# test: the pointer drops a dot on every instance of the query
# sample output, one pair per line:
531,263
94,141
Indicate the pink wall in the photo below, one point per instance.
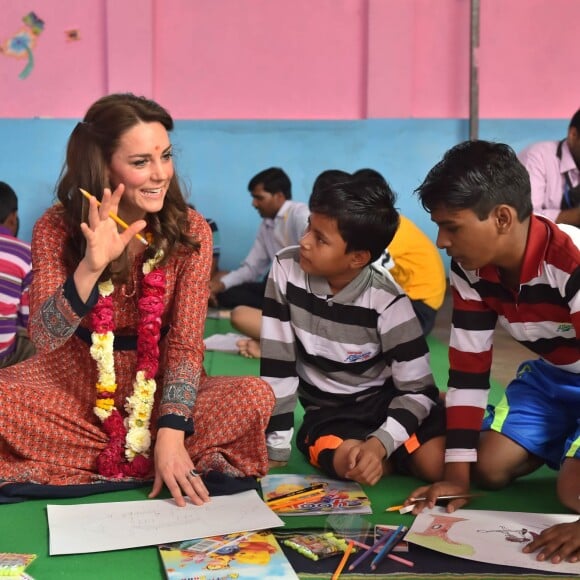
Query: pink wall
262,59
305,59
529,67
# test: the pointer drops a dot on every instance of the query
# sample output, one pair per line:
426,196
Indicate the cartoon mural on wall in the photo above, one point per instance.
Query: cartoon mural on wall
20,44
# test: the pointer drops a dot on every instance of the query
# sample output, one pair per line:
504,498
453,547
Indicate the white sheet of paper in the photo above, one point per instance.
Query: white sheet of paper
223,342
100,527
488,536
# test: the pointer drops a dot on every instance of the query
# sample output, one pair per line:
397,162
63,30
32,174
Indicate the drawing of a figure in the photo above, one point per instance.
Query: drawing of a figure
435,536
523,535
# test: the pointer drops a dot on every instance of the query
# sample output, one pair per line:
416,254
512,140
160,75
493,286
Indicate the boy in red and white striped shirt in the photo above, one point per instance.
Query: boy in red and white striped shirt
15,278
522,271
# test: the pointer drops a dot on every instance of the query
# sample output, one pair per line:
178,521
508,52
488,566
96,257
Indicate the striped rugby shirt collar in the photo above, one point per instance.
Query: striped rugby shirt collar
318,285
539,236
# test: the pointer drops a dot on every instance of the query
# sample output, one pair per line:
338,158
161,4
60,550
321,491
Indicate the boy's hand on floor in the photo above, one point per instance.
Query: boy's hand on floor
558,543
272,463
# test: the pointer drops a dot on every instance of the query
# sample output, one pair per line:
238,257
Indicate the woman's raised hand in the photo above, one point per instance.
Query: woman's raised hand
105,243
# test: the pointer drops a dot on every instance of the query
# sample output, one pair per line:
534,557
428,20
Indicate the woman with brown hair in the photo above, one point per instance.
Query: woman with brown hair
117,310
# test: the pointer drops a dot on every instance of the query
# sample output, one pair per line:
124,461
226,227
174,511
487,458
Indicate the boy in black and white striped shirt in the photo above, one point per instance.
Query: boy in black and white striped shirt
341,337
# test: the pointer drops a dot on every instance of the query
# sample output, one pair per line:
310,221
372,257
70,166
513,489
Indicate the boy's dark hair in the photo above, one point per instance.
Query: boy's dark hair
8,201
273,180
575,121
330,177
478,175
368,173
363,209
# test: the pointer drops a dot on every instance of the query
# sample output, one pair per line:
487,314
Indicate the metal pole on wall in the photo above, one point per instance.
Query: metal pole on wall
474,73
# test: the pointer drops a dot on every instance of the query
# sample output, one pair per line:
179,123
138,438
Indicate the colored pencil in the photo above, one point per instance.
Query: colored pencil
313,487
404,561
343,560
297,500
394,508
391,556
115,217
388,546
366,554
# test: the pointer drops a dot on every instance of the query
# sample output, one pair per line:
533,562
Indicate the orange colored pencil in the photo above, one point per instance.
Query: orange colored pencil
315,487
343,561
391,556
295,501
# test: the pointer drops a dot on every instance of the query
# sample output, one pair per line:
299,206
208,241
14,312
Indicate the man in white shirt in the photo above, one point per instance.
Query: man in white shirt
283,224
554,168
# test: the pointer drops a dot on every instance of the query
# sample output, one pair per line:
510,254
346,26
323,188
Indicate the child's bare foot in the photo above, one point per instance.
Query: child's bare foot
249,347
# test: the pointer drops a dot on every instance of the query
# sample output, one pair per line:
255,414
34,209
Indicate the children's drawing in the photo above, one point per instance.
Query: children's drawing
21,43
521,535
436,537
488,536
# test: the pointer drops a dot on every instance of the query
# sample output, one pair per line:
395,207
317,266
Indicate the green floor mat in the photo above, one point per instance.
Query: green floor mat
23,527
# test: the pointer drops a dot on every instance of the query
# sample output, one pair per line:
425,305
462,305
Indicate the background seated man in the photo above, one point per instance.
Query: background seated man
411,259
283,222
554,168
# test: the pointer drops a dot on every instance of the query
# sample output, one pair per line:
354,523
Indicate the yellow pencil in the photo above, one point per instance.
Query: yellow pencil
394,508
296,501
342,563
115,218
314,489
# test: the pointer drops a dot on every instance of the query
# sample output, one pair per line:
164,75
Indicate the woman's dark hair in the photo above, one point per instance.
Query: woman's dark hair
89,152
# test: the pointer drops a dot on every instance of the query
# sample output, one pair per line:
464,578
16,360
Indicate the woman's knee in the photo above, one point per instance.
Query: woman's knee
264,391
257,393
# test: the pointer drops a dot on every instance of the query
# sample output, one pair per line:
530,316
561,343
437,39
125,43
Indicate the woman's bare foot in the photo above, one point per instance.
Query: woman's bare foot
249,347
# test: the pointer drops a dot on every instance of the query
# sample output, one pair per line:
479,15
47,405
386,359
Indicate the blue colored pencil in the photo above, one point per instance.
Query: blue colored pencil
366,554
385,549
